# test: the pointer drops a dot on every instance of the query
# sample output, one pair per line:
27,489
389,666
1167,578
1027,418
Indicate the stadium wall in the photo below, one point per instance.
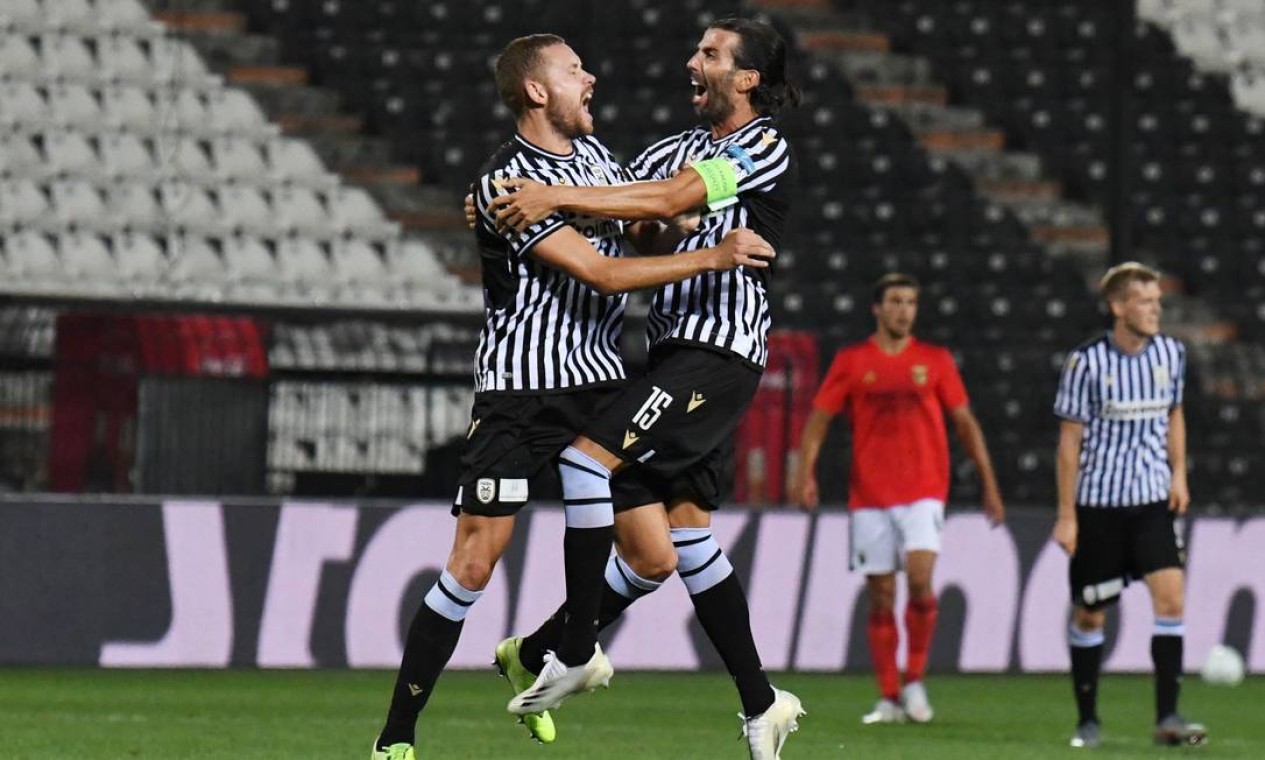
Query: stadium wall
303,584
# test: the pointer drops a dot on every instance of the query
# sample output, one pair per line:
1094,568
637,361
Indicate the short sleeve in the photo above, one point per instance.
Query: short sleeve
489,187
1179,374
759,160
949,388
833,393
1074,399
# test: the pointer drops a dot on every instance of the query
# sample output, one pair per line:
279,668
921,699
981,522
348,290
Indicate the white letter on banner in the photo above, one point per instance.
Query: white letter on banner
308,536
984,564
413,540
655,632
201,630
830,599
541,589
1226,557
1046,608
773,594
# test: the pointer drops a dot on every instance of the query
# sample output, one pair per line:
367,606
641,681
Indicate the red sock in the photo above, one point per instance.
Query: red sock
884,639
920,623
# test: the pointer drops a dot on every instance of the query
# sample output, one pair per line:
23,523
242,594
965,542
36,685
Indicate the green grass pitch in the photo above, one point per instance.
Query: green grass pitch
647,716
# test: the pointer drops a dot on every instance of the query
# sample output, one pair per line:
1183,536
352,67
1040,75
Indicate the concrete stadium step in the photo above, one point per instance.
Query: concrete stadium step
205,22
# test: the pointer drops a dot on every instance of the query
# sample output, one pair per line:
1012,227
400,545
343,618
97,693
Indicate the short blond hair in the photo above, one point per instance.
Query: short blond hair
1116,281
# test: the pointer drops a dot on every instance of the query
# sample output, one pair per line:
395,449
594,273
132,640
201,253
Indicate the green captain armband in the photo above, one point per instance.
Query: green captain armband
719,178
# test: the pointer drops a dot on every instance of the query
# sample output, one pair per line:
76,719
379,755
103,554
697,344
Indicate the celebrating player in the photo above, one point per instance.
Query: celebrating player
547,361
673,429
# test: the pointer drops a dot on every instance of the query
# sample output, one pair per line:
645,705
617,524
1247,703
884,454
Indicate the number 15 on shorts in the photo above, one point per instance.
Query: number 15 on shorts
653,409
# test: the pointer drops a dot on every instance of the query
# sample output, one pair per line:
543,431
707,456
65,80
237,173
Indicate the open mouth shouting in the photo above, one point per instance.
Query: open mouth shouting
700,91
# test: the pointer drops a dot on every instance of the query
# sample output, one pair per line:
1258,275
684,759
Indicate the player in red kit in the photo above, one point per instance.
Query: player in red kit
895,391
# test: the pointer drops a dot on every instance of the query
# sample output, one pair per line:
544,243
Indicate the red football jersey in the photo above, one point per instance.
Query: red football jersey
896,406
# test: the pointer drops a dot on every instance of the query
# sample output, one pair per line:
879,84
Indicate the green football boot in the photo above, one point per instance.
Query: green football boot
394,752
540,725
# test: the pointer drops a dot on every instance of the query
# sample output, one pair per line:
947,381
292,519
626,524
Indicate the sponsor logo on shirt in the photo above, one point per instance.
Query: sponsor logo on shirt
1132,411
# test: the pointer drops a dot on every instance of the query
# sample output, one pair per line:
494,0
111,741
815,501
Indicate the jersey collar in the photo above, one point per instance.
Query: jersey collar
529,145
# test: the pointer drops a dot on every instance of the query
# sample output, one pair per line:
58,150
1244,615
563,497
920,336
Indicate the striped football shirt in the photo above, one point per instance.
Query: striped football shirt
1124,401
543,330
724,310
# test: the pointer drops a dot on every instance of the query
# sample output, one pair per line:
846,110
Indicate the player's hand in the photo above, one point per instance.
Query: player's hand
807,495
1065,534
994,509
526,203
471,218
742,248
1178,495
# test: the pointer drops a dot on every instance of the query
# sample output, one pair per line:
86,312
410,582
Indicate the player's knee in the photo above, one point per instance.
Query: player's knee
1172,606
920,588
1089,620
655,566
472,572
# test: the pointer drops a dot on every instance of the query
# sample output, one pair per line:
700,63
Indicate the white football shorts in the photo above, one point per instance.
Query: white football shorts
881,537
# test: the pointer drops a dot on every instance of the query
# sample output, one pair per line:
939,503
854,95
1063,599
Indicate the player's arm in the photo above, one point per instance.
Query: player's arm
971,436
705,182
1179,492
807,493
569,251
1067,468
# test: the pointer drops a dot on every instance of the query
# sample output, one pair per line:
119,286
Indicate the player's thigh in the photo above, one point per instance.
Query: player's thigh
687,405
511,439
874,547
644,540
1156,540
919,525
1099,570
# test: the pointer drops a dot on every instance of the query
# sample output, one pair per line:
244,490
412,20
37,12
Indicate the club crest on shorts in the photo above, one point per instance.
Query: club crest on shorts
919,372
485,490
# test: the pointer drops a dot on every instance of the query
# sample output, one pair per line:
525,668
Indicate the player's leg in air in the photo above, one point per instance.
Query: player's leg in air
644,560
919,533
769,715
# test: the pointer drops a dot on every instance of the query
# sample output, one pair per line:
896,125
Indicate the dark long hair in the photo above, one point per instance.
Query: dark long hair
763,50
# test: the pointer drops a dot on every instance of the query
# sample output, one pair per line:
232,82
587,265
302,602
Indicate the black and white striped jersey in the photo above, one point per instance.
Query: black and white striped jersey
543,330
725,310
1124,401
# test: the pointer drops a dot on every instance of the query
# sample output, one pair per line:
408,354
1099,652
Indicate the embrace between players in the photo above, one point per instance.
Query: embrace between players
643,462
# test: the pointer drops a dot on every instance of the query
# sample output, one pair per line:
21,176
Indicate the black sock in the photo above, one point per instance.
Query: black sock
1166,654
432,638
1085,664
586,551
547,636
723,612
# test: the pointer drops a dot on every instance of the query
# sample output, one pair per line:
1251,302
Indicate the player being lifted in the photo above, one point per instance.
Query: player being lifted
547,361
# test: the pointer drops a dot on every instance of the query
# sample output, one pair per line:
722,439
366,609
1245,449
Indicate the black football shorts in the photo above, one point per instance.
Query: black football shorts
675,426
1116,545
513,438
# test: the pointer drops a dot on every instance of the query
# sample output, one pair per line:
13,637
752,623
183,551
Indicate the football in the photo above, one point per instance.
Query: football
1224,666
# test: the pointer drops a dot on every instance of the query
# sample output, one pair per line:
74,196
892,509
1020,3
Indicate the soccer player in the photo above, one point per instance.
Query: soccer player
896,390
674,427
1121,489
547,361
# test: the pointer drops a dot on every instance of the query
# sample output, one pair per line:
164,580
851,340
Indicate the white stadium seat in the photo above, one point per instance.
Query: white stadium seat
294,160
234,111
127,155
88,262
301,209
67,56
304,262
70,153
22,104
237,158
129,107
77,202
139,256
193,259
19,157
187,205
18,57
74,105
20,14
22,203
123,15
31,256
243,207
